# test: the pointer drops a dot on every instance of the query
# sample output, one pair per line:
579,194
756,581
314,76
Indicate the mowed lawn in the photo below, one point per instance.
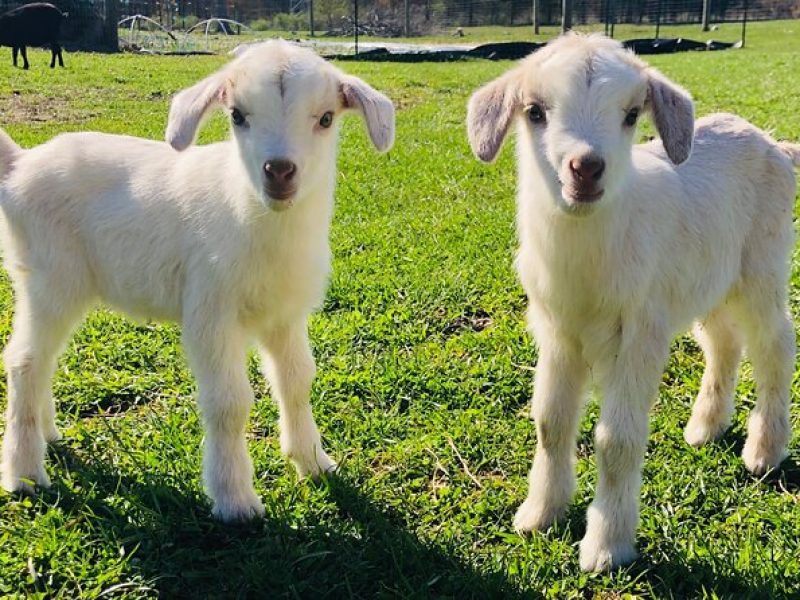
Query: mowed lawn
422,391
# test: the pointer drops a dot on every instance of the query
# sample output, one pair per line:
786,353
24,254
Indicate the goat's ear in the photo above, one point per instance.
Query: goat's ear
377,110
489,115
188,108
673,114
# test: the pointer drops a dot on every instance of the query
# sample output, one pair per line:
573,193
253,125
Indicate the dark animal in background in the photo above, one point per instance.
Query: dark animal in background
35,24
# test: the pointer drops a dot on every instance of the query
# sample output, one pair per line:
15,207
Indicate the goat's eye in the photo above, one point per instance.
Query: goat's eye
237,117
326,120
631,116
536,113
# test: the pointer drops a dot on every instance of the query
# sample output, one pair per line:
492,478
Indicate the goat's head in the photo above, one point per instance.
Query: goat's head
285,104
577,102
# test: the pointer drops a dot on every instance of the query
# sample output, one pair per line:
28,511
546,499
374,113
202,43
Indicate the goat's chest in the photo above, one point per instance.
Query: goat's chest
577,281
284,280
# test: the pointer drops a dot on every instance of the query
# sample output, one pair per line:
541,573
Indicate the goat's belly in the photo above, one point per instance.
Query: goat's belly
144,300
144,285
31,39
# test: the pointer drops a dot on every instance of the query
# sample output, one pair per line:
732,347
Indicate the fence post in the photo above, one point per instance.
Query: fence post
311,17
535,15
566,15
658,19
111,33
744,23
706,14
407,19
612,18
355,23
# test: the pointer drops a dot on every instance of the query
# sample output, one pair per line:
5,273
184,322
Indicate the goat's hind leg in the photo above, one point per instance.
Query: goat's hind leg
289,367
55,52
722,345
771,348
42,323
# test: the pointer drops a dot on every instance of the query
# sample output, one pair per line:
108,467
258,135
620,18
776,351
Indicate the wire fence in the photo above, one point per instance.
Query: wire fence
395,18
149,24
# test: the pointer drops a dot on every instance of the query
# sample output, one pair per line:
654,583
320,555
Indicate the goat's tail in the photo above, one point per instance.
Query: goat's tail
792,151
9,152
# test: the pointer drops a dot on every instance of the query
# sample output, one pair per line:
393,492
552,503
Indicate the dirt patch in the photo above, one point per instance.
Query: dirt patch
472,320
19,107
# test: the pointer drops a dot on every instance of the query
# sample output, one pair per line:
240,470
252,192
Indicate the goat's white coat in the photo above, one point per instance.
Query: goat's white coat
186,236
610,284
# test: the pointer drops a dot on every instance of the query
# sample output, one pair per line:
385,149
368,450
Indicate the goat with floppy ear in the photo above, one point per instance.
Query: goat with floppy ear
622,247
492,108
229,239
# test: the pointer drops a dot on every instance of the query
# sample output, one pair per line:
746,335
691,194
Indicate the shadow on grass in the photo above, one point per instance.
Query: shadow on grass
696,580
785,478
361,551
178,550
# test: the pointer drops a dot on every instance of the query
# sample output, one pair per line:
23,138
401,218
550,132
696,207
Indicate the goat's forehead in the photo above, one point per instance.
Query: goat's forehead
290,79
582,72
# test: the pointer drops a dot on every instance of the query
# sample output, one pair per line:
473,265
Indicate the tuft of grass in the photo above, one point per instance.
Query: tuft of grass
422,391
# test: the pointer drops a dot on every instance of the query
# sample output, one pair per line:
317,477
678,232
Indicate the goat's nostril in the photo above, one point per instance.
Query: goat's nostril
599,168
587,168
280,170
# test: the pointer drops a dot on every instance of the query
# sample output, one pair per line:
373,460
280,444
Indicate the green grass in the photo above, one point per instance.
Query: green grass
424,379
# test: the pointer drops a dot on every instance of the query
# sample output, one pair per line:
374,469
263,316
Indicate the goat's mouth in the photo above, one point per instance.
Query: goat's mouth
573,196
282,194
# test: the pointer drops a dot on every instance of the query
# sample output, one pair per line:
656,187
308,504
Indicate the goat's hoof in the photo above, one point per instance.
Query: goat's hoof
598,556
25,485
238,510
534,515
759,457
314,468
699,433
52,434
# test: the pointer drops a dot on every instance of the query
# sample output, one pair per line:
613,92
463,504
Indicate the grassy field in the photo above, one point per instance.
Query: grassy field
424,378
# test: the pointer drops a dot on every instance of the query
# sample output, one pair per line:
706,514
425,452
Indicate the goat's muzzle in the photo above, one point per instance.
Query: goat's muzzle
279,182
583,183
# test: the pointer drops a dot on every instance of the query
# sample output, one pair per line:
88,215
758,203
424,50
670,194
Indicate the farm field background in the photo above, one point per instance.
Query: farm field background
424,378
722,32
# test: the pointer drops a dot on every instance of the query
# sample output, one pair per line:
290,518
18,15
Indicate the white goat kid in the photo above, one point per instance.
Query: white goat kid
229,239
621,249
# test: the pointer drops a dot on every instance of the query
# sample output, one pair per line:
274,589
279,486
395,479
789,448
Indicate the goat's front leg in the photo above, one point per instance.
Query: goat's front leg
630,386
289,367
561,376
217,355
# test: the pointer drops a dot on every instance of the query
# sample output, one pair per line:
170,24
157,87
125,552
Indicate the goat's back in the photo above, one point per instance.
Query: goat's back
35,24
734,161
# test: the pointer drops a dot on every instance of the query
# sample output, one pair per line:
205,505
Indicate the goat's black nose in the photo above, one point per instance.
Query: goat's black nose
587,169
279,170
